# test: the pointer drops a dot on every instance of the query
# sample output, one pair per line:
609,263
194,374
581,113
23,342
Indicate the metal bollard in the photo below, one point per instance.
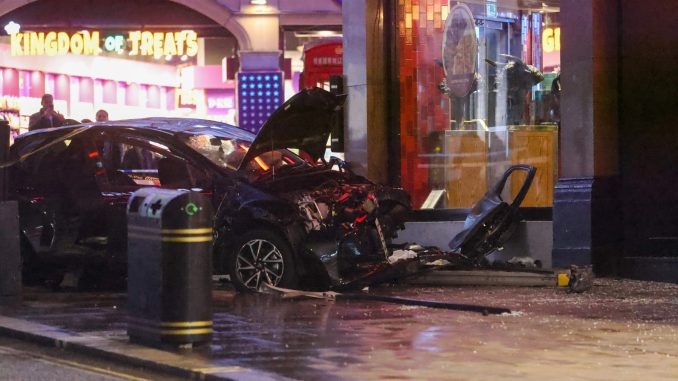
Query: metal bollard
10,255
169,263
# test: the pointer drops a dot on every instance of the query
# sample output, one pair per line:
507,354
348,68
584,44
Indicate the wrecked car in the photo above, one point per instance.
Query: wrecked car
280,219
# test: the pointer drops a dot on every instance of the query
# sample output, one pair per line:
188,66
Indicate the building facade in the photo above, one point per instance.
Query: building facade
602,145
444,95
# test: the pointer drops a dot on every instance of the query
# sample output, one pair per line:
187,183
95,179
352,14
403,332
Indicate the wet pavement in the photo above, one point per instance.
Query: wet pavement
620,329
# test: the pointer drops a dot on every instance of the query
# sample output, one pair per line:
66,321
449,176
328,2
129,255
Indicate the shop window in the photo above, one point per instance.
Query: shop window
50,84
98,91
479,92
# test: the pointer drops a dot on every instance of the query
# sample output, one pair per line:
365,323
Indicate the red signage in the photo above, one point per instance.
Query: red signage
322,58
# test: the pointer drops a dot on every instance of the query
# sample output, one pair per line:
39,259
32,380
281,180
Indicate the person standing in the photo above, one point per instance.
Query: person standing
102,116
47,117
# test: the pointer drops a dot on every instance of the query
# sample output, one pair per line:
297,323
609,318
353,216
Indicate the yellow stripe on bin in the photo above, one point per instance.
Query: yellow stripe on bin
187,231
187,239
183,324
194,331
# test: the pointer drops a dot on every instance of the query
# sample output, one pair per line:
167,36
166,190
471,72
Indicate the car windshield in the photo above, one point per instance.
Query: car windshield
228,151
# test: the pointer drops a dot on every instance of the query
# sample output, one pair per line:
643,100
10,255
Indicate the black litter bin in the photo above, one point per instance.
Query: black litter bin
169,256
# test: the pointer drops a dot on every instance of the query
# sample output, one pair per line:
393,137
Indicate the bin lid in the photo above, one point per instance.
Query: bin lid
151,202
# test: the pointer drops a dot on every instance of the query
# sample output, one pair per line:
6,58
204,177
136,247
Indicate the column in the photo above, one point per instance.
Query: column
365,69
586,218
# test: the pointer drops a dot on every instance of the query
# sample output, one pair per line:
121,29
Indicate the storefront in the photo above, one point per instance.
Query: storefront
81,78
445,75
158,57
476,96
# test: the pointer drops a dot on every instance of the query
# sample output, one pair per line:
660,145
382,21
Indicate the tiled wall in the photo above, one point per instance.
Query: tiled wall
423,108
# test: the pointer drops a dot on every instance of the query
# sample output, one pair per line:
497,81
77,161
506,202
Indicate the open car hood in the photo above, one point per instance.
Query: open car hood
303,122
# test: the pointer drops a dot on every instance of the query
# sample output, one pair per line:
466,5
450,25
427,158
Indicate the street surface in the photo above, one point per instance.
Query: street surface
21,361
620,330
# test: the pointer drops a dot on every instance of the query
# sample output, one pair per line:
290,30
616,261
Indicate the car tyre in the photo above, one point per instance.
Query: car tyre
261,256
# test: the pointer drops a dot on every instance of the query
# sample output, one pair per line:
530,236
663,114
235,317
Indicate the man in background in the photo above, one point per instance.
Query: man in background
102,116
46,117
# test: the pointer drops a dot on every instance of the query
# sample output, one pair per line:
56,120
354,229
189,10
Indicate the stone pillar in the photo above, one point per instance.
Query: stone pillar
366,137
586,222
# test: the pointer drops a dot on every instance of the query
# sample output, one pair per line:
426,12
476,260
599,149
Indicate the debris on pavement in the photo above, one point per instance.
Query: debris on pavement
581,279
287,293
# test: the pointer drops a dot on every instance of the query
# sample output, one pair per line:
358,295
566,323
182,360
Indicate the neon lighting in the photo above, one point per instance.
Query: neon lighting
261,163
550,40
84,42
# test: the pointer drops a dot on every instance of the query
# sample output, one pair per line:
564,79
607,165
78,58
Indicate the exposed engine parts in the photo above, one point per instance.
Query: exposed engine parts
334,205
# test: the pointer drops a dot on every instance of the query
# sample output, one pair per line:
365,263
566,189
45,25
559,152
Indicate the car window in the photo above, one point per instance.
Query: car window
228,153
44,170
132,163
223,151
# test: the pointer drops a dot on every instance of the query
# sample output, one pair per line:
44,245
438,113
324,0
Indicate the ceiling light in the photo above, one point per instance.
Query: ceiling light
12,27
258,2
316,34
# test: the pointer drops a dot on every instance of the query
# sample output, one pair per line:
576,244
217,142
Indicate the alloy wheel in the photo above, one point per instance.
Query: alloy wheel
259,261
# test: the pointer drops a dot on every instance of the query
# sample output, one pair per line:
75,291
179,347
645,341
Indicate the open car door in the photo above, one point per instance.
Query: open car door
492,221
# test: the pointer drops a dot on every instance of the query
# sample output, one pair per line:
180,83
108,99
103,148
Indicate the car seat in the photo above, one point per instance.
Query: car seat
173,173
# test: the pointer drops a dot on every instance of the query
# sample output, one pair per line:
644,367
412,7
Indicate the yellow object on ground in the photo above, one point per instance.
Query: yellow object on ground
563,279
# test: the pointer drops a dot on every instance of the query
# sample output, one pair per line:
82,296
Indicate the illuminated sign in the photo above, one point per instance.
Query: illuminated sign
550,39
225,102
114,43
220,101
164,44
85,42
259,94
324,61
54,43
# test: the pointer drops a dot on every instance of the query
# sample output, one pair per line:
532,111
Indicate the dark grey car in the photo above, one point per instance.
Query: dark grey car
280,219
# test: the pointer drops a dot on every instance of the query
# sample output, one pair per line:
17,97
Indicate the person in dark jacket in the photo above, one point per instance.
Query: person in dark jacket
47,117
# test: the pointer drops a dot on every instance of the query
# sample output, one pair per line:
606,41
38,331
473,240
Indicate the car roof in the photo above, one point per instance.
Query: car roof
161,124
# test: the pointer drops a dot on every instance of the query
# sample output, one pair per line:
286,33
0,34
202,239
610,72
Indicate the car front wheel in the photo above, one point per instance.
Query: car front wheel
261,257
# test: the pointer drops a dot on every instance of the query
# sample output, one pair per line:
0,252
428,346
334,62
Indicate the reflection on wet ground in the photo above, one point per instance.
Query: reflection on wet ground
621,330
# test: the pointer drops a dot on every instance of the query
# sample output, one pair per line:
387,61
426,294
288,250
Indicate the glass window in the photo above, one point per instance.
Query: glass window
228,152
131,164
479,92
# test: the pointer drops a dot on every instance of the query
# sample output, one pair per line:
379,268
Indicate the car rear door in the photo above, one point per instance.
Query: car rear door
130,161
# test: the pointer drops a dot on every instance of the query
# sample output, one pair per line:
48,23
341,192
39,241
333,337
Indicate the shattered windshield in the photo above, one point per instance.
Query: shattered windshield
227,152
224,151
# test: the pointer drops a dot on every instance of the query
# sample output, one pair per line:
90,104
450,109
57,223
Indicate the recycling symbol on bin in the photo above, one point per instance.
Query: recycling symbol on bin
191,209
156,206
